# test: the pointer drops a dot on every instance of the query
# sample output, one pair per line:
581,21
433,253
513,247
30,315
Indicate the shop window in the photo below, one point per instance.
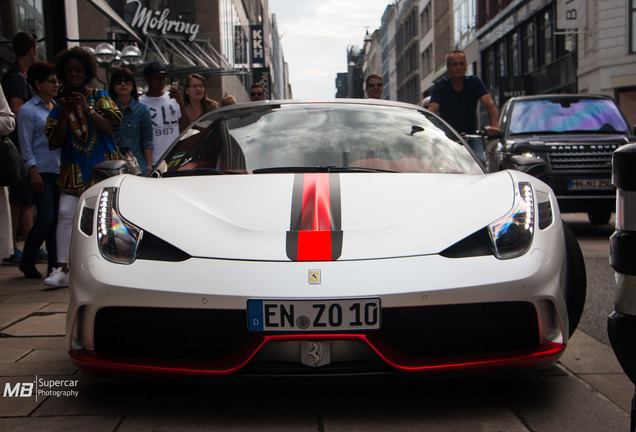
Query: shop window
632,27
528,43
515,60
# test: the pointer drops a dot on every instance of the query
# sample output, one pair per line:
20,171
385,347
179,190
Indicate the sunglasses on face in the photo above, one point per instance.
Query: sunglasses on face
375,85
122,81
256,93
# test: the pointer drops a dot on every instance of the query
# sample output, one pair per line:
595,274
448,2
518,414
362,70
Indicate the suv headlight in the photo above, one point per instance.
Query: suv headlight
117,238
512,234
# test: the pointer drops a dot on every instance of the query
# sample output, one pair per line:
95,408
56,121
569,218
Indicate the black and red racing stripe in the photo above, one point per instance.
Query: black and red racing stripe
315,232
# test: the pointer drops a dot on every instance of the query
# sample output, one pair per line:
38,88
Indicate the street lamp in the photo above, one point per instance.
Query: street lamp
110,58
131,56
105,54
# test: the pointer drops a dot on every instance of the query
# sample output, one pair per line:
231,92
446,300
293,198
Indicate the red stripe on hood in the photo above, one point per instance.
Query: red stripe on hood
314,234
314,237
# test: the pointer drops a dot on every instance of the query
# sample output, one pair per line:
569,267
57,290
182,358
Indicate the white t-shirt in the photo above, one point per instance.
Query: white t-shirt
165,114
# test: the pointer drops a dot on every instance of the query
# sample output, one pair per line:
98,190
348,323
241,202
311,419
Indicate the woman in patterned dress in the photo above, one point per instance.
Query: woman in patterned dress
81,124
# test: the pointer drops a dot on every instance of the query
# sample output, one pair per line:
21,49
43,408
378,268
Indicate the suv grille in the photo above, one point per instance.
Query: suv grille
573,157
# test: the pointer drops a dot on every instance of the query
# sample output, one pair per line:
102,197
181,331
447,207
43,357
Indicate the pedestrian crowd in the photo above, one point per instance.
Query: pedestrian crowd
62,127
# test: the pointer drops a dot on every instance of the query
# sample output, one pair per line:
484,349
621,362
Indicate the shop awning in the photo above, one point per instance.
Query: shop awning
182,57
105,8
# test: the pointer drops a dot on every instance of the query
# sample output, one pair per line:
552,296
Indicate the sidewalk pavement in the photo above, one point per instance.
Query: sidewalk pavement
32,349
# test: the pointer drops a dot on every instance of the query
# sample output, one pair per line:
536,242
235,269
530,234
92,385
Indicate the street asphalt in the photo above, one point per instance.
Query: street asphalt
585,391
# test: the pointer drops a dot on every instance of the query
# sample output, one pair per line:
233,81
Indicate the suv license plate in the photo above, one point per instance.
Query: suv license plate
313,315
590,184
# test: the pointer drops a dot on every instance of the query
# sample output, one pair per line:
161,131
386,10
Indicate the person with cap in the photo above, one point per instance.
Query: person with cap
167,111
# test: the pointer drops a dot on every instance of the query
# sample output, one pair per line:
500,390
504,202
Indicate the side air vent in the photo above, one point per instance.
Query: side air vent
153,248
545,215
86,221
477,244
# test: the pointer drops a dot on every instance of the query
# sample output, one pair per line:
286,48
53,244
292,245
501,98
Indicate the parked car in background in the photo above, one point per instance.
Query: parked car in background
575,135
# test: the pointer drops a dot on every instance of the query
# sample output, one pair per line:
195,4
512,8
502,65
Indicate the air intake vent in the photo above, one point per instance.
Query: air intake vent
86,221
477,244
545,215
153,248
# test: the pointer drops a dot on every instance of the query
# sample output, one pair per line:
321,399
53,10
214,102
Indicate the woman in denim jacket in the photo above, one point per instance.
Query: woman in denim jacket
135,131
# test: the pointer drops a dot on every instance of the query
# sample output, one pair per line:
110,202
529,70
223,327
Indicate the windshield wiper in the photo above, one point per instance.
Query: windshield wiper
197,172
312,169
326,169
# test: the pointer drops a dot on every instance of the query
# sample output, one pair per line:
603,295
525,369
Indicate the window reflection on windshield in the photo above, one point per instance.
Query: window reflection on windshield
566,116
322,135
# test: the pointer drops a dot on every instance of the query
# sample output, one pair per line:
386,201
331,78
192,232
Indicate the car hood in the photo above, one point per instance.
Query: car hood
368,215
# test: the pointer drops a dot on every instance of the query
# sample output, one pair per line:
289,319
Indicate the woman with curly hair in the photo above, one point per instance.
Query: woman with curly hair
81,124
195,97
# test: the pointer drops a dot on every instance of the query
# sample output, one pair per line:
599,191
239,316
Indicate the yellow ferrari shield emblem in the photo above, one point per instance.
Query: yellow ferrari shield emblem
314,277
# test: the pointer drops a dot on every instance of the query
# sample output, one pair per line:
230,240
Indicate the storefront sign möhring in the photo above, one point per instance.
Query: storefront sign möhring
146,19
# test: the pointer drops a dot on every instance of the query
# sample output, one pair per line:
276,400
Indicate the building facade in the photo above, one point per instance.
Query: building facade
518,47
232,43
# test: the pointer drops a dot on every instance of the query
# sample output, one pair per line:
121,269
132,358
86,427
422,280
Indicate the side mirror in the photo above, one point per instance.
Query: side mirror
107,169
533,166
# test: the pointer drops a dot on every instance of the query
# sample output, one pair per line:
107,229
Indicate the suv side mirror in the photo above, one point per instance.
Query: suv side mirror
533,166
109,168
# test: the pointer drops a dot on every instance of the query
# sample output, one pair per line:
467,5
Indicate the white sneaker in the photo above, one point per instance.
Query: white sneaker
57,278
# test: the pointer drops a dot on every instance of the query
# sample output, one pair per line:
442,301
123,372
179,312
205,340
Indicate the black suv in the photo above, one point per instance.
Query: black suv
575,135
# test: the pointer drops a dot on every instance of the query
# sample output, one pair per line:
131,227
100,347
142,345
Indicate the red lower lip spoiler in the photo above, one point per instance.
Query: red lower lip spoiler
540,355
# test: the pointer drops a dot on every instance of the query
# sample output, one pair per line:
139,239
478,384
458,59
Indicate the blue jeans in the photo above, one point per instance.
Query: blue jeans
45,226
477,144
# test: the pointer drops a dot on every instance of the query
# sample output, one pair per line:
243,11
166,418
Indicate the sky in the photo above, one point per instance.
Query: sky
315,36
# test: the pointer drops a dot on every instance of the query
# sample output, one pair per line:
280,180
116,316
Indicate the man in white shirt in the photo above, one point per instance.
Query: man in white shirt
167,111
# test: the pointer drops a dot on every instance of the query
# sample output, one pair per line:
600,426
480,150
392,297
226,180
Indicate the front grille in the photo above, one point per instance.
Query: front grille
577,157
422,331
464,329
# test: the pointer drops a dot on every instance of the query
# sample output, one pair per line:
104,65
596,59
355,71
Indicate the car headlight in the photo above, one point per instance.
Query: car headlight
532,155
512,234
118,239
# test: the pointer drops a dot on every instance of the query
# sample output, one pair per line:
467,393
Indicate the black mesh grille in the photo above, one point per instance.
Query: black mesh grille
461,329
597,158
189,334
426,331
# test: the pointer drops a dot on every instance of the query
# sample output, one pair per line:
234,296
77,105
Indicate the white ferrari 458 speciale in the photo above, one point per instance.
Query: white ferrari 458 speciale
321,238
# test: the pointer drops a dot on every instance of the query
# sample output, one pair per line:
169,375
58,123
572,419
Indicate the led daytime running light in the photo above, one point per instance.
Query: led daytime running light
512,234
118,239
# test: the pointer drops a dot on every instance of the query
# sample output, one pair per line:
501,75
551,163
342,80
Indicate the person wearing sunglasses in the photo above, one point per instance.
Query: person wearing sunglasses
257,93
374,86
135,131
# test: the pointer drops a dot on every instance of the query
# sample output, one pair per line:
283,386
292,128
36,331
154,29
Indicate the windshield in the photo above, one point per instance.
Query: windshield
565,116
311,137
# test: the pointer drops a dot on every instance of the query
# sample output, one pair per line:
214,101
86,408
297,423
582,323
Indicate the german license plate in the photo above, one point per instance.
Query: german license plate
590,184
313,315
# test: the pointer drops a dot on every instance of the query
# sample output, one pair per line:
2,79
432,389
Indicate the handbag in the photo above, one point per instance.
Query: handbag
132,164
12,168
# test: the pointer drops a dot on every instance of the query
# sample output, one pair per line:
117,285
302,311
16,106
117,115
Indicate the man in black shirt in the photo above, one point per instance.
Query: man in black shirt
455,99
